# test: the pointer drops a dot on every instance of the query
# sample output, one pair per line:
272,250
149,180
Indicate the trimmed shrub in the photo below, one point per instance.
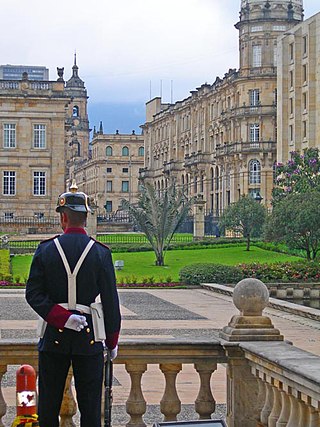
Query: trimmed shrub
194,274
5,273
283,271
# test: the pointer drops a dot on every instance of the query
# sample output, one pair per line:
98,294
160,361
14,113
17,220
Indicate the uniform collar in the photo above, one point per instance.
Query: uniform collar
75,230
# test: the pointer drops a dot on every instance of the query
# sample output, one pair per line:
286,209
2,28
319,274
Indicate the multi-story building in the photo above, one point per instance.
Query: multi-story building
39,122
15,72
221,141
299,89
111,172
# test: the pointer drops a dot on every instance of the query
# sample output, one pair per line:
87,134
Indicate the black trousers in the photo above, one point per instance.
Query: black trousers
88,376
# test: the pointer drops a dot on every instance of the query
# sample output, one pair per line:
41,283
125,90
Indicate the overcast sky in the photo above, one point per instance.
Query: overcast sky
124,45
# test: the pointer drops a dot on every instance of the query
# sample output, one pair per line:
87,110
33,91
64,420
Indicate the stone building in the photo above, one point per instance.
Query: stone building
220,142
40,123
299,89
111,172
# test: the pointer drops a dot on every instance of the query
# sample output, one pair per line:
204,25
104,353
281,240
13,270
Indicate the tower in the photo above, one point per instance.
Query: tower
77,122
260,23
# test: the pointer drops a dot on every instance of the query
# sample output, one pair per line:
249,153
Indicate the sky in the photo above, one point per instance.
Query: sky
128,51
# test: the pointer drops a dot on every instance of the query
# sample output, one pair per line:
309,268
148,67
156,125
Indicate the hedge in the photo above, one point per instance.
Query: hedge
5,265
280,272
194,274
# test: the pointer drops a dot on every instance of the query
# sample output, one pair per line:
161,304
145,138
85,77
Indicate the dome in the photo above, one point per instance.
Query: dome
285,2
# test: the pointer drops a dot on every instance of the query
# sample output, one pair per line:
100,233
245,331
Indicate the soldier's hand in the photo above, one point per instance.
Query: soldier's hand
76,322
113,353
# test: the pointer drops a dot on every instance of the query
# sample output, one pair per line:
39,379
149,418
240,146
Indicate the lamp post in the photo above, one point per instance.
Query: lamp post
258,198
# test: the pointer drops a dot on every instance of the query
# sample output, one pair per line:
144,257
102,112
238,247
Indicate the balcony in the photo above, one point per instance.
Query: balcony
171,166
232,148
269,382
197,158
249,111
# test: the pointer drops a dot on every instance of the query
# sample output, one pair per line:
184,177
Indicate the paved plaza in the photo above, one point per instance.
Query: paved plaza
153,315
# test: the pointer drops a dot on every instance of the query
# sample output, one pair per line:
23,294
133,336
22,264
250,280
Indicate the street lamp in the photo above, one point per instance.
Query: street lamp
258,198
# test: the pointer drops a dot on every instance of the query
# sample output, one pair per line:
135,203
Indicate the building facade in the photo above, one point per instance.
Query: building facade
15,72
220,142
299,89
111,173
38,123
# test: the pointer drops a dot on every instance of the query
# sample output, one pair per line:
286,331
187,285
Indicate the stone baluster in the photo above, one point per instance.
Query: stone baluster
285,410
170,404
136,404
205,404
69,406
3,405
276,409
294,412
268,404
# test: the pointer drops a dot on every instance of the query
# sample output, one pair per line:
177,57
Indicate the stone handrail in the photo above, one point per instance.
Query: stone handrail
136,356
288,384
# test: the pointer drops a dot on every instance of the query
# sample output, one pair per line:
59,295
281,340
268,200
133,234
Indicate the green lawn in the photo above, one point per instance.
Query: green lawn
140,265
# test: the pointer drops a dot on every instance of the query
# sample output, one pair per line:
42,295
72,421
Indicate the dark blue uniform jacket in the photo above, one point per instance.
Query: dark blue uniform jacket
47,286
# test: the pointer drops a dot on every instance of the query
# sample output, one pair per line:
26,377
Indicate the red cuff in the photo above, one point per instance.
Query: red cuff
112,340
58,316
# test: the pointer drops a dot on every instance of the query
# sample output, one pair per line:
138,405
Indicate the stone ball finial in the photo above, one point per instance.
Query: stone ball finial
251,296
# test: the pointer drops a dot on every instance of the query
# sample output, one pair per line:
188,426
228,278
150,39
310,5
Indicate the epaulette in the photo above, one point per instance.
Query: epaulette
100,243
51,238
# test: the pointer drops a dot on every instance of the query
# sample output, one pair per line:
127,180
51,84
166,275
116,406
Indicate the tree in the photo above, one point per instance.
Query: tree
299,175
246,216
295,221
158,214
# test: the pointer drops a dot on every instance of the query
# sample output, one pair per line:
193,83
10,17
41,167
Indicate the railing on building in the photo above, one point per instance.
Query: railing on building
268,383
246,147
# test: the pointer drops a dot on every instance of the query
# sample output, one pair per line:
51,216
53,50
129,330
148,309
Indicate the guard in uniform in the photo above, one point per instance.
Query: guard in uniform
68,338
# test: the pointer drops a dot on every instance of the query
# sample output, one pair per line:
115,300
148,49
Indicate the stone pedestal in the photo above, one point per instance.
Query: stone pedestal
91,226
250,296
198,218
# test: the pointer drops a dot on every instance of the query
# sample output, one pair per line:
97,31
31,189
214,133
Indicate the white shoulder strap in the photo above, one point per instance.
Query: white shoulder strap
72,291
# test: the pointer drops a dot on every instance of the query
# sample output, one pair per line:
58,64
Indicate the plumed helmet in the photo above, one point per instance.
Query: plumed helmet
75,200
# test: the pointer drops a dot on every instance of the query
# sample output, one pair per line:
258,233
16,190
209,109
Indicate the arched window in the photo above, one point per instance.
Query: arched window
141,151
217,178
109,151
254,172
212,179
125,151
75,111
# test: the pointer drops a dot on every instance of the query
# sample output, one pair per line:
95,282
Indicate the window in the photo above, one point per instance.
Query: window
109,170
75,111
256,56
125,170
9,135
305,44
39,215
9,183
39,183
291,51
125,151
109,151
8,215
291,105
254,132
141,151
108,206
304,101
279,28
125,186
256,28
109,187
254,172
291,133
254,97
39,136
304,73
304,129
291,79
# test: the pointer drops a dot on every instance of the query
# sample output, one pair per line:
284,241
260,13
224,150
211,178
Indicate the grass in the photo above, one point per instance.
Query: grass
140,265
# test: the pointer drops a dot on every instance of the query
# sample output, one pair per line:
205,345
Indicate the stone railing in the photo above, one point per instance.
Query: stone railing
270,383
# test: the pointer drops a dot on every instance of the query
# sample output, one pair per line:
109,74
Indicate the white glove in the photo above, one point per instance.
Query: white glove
76,322
113,353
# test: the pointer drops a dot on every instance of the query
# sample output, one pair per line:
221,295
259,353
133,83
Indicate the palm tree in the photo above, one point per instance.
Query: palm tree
158,214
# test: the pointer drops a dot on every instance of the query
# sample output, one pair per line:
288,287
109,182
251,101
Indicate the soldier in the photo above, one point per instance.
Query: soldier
69,338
